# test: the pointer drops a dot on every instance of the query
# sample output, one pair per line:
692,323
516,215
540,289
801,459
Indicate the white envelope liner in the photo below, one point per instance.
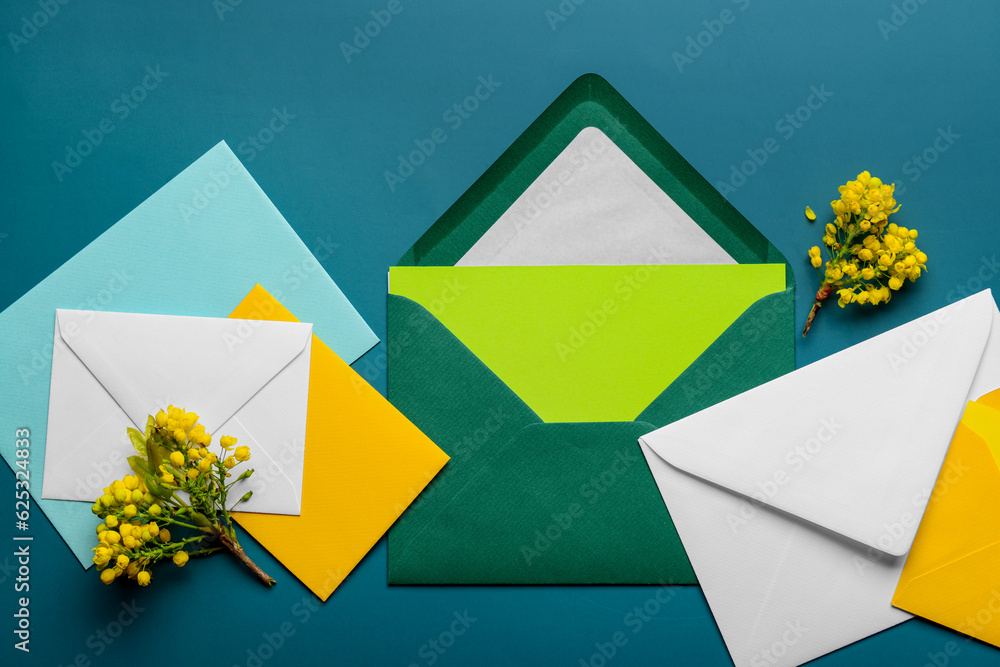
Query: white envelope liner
593,205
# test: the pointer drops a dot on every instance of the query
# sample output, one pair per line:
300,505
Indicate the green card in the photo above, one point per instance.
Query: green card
587,343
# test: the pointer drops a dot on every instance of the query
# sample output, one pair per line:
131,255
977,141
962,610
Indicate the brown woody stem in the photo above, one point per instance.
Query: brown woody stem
237,551
821,294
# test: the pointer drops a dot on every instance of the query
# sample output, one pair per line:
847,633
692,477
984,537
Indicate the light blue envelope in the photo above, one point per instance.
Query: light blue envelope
196,247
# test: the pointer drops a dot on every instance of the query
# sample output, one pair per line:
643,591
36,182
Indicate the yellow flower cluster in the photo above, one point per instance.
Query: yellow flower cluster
183,426
869,257
190,456
125,539
172,455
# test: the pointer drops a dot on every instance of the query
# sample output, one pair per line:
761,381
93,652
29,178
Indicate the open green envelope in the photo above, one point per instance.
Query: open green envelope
588,288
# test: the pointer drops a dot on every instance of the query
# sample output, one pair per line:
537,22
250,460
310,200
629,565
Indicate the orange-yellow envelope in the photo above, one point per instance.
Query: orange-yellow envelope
952,574
364,464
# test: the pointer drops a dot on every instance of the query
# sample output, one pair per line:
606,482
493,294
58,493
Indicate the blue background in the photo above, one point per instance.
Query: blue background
929,66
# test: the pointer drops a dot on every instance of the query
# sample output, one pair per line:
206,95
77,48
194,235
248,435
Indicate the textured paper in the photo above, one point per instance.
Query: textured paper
364,464
951,574
796,505
175,254
593,205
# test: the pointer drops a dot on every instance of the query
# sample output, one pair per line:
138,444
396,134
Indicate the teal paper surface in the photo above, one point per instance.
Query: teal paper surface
196,247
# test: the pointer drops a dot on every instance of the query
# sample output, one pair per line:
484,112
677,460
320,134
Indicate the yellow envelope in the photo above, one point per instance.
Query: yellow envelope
952,574
364,464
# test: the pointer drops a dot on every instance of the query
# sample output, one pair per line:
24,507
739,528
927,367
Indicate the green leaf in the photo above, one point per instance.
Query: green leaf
139,466
138,441
153,453
150,423
156,488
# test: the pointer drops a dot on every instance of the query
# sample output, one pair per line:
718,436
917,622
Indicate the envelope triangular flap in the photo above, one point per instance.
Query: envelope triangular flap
851,442
593,205
210,365
590,102
960,518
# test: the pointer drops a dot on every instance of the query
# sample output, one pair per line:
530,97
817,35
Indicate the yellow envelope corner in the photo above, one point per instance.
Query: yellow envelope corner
951,575
364,464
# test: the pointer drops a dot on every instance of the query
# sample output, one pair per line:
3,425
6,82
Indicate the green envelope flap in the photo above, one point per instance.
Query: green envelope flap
443,388
453,398
752,351
556,504
589,102
587,343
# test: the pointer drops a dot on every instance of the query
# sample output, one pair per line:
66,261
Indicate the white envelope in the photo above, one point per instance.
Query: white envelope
798,500
245,378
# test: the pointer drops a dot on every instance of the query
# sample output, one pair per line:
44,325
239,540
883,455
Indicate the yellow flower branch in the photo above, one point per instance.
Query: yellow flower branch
869,257
172,455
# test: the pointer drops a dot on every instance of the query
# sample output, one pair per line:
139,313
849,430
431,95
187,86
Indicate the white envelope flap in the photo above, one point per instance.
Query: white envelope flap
209,365
852,442
277,464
